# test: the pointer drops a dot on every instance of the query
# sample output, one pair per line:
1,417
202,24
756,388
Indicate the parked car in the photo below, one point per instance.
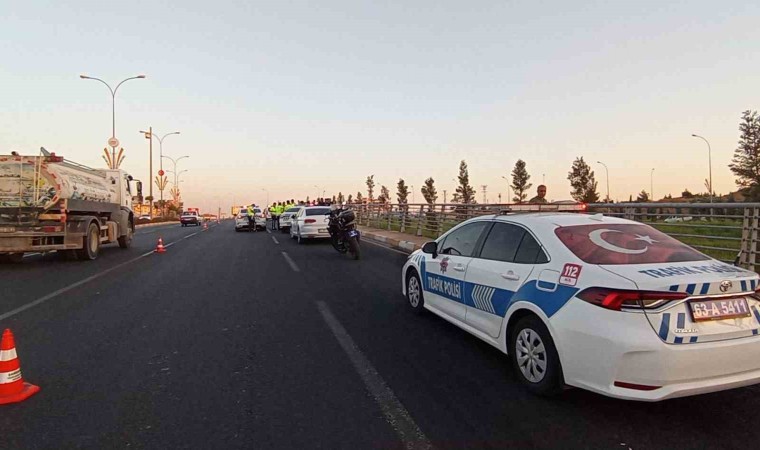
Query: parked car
600,303
310,223
242,223
287,216
190,218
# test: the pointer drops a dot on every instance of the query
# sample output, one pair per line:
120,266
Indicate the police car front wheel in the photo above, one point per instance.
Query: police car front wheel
534,357
414,292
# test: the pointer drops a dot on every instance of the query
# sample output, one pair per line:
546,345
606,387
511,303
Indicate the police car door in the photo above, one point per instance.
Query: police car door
443,276
503,265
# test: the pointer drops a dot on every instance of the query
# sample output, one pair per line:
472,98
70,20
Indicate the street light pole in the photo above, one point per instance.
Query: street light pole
508,190
113,109
175,161
709,162
267,196
150,135
651,183
608,179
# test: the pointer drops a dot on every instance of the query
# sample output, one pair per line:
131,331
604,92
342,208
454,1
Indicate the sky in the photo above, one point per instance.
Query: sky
303,97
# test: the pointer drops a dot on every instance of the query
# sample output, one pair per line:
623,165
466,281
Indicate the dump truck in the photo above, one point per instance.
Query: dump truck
50,204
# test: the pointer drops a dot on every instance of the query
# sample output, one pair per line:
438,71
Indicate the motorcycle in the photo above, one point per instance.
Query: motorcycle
344,235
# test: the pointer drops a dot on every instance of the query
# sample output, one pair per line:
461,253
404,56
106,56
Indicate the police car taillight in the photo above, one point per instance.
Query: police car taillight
616,299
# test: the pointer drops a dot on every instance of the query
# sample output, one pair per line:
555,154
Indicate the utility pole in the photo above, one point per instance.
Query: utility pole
149,136
444,196
485,187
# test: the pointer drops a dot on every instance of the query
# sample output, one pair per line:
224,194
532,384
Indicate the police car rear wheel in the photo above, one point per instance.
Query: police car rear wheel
414,292
535,357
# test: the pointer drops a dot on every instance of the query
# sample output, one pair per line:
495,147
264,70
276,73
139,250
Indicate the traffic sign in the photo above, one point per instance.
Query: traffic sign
113,142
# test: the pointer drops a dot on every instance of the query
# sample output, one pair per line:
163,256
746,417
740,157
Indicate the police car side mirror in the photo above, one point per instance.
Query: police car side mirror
430,248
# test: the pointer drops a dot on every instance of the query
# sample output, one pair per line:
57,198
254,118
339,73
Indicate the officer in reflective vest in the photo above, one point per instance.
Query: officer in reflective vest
251,219
273,213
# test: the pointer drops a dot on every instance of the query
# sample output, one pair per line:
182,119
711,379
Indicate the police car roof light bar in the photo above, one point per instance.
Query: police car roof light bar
512,209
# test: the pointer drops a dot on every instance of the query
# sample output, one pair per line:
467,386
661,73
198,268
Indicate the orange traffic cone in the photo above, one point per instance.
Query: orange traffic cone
160,247
13,389
205,226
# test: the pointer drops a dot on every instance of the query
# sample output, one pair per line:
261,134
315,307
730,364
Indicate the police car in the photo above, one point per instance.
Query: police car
601,303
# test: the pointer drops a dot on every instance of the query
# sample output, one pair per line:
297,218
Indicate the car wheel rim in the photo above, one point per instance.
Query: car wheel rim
414,292
530,353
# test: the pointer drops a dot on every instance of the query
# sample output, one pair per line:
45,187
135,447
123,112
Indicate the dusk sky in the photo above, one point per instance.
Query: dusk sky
287,95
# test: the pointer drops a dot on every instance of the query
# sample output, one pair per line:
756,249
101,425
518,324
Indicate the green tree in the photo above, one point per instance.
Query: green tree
429,192
464,192
746,162
371,187
642,197
520,183
340,198
402,191
359,198
385,195
686,194
583,182
350,198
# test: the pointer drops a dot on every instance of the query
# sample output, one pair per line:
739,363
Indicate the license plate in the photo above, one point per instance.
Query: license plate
323,230
353,233
729,308
7,229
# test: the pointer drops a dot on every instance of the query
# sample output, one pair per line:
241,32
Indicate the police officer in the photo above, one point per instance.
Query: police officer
280,210
273,213
251,219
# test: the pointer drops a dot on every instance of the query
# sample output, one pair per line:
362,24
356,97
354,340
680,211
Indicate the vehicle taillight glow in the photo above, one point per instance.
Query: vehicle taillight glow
310,221
52,229
615,299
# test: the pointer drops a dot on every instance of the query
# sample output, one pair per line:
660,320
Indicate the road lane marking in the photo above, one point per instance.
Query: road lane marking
275,240
269,231
191,235
395,413
291,262
63,290
32,254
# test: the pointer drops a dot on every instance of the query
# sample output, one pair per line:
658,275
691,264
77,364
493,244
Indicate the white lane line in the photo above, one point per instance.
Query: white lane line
395,413
275,240
385,247
191,235
269,231
291,262
32,254
54,294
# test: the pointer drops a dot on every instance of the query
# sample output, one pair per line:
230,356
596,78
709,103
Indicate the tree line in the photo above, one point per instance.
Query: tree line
584,187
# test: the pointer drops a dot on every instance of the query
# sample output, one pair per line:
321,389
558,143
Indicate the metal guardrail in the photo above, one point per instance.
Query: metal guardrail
725,231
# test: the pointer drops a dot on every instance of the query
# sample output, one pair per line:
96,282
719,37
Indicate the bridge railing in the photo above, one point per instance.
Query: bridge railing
725,231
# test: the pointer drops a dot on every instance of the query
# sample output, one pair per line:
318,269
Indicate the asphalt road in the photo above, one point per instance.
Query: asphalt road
248,340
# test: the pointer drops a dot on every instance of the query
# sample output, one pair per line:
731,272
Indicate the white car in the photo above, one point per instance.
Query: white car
601,303
287,216
242,223
310,223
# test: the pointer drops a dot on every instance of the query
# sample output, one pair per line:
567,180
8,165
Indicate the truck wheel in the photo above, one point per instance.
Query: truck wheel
126,240
91,243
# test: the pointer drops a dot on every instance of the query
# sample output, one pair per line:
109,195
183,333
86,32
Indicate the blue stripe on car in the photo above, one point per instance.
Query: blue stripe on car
681,320
690,288
752,284
757,314
664,326
693,340
679,340
705,289
674,288
744,285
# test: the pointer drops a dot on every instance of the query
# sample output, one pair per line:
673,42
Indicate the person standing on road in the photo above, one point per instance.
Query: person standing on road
272,214
251,219
280,210
541,197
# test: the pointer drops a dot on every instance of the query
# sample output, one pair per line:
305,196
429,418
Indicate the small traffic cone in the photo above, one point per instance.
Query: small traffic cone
160,247
13,388
205,226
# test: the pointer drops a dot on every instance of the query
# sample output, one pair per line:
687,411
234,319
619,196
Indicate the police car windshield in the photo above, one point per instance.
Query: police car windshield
292,209
625,244
317,211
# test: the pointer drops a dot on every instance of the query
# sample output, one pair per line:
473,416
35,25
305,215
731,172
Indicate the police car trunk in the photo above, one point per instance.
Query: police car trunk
688,297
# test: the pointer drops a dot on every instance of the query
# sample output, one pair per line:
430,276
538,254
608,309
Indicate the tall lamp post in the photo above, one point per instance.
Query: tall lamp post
607,171
267,204
175,161
508,190
651,183
113,142
150,135
709,162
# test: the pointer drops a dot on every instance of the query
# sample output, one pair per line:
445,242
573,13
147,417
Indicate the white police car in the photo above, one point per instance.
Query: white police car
600,303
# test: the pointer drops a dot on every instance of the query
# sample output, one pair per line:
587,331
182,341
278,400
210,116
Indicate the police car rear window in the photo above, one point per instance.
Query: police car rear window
625,244
317,211
292,209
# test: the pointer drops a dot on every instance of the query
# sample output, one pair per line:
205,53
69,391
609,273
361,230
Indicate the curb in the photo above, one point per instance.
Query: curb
404,246
148,225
